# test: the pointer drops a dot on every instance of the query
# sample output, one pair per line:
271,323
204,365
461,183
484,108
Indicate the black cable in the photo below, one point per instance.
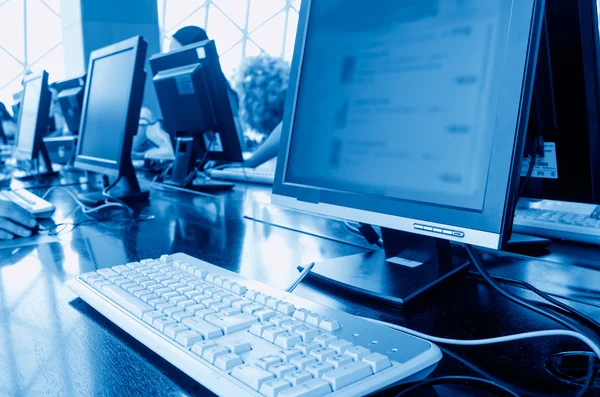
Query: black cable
574,312
589,377
498,390
528,175
519,301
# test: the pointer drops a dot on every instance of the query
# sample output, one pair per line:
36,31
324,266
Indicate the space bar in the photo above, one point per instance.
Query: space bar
129,302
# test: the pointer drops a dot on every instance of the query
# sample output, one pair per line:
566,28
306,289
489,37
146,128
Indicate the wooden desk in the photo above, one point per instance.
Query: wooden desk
54,344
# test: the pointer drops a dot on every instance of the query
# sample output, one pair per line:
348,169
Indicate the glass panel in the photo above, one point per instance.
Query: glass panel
196,19
270,35
222,30
252,49
43,30
230,61
290,37
11,29
261,10
53,63
234,9
53,4
178,10
10,68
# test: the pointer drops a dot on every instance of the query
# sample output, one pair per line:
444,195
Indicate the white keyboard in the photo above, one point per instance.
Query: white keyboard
29,201
238,337
250,175
557,219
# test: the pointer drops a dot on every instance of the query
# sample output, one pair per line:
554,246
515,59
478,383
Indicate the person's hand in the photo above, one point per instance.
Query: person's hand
14,221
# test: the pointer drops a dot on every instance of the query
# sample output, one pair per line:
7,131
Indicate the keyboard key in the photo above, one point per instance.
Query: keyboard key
153,288
293,325
178,299
156,302
185,304
307,347
212,353
200,298
184,289
242,303
301,314
128,302
322,353
203,313
161,323
339,360
281,369
219,306
307,333
357,352
226,284
194,308
120,269
192,294
172,330
251,295
287,354
286,308
228,361
208,331
378,362
238,289
162,291
164,306
272,303
287,340
340,345
279,321
252,309
180,316
188,338
264,314
273,388
297,377
313,319
318,369
347,374
251,375
329,324
172,310
324,339
149,317
106,273
238,346
211,278
267,361
311,388
231,324
218,281
230,312
303,361
261,299
200,273
230,299
148,297
221,295
170,295
199,347
99,284
271,333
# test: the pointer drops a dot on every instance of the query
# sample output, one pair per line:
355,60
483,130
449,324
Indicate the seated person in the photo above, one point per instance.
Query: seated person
15,221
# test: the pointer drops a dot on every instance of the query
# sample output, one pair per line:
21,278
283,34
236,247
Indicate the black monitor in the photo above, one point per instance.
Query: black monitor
566,107
33,125
111,111
198,111
411,116
70,100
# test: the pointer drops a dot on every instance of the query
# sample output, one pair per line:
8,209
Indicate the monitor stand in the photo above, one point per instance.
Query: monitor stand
47,167
409,265
127,190
184,171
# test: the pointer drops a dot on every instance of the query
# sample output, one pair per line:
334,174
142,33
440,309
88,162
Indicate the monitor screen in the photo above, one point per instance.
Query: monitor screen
402,103
107,107
29,115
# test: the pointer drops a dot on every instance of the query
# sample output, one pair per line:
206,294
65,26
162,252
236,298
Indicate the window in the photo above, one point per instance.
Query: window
240,28
30,40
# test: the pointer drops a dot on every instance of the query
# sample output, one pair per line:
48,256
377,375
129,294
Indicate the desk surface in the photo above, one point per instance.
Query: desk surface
52,343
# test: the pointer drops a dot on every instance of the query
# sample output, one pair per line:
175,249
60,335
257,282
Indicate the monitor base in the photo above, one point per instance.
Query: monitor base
409,266
202,185
95,199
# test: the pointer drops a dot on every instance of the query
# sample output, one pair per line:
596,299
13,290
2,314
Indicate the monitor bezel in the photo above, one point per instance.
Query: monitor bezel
42,118
104,166
489,228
